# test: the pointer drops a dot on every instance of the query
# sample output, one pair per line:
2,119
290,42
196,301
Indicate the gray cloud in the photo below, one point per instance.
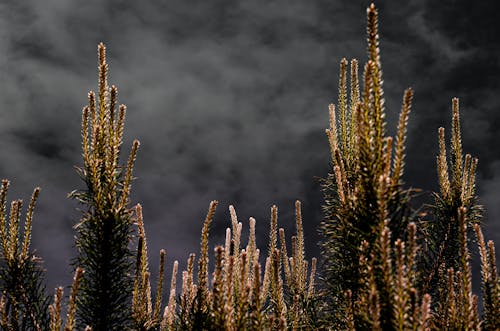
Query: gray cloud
228,99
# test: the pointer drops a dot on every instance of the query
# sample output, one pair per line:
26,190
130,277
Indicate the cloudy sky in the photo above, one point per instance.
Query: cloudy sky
229,100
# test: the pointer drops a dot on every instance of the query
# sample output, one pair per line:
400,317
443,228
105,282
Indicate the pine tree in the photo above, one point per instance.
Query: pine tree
24,302
105,230
365,191
372,249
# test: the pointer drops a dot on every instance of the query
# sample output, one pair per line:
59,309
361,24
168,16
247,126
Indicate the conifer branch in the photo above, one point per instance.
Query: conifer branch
70,319
343,108
456,150
203,260
399,154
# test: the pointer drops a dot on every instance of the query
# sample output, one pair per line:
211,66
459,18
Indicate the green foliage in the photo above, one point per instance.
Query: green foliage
105,230
23,303
372,280
365,190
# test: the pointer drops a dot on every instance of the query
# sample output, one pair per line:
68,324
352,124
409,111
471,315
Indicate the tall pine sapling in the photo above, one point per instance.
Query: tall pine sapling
104,232
365,191
373,280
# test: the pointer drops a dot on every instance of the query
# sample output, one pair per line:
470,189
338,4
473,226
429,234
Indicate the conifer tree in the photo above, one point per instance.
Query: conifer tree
24,302
372,248
364,192
104,232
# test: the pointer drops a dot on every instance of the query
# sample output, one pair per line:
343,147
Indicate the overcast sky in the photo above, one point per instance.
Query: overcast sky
229,100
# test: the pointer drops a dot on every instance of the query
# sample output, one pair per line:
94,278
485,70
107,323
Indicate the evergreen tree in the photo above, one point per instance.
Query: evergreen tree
24,303
364,193
372,250
105,230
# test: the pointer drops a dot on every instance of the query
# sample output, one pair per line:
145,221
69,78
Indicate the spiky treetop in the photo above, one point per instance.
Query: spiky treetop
23,302
108,182
103,235
365,190
456,191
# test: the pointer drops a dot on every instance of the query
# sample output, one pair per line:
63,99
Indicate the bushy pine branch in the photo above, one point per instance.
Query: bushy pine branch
456,307
457,191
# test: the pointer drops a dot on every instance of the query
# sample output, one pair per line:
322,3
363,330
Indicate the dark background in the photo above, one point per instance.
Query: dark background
229,100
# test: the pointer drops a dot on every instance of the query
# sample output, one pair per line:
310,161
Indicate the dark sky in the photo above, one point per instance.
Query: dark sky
229,100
